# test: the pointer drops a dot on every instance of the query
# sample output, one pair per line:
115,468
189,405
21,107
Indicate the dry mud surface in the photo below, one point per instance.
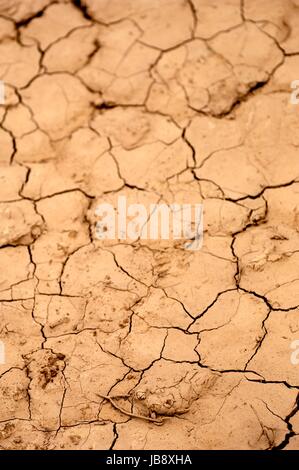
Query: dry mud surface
146,345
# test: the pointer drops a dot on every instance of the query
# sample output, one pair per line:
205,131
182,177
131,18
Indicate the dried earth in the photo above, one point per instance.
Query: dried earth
146,345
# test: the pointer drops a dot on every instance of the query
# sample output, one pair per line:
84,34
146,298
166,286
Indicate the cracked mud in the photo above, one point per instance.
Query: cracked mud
145,345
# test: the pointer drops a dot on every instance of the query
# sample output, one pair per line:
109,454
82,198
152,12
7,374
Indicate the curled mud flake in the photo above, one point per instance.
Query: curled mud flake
162,402
140,395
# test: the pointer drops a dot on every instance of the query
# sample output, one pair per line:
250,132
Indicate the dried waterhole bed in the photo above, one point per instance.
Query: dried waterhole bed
146,345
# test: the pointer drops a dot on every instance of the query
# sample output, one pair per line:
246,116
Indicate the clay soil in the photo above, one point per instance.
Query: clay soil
141,344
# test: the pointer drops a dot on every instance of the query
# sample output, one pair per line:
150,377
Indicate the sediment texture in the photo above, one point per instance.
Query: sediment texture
158,101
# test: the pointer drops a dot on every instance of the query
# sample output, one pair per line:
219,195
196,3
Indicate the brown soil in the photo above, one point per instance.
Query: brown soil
145,345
